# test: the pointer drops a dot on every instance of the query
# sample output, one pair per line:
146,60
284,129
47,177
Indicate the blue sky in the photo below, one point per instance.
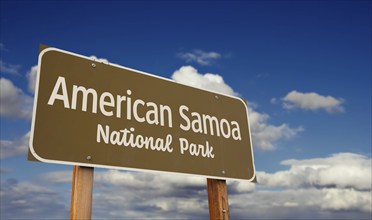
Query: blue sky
303,66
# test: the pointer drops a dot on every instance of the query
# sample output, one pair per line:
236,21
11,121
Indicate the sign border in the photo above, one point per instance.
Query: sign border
33,152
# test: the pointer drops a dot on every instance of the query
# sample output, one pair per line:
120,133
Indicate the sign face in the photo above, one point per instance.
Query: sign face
91,113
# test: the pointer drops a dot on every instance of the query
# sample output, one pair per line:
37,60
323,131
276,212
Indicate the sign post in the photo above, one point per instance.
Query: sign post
218,199
82,191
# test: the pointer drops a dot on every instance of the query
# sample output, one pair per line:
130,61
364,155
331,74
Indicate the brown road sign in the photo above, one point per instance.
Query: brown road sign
92,113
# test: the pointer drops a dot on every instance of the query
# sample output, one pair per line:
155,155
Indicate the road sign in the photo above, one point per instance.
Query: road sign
91,113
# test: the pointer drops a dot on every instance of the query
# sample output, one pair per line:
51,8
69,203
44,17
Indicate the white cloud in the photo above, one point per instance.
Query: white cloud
9,68
200,57
312,101
346,199
309,203
238,187
264,135
132,179
14,148
188,75
140,179
103,60
143,195
31,76
14,103
58,177
29,200
313,188
148,195
342,170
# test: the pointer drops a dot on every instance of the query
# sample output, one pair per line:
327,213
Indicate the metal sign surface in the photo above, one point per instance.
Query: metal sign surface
91,113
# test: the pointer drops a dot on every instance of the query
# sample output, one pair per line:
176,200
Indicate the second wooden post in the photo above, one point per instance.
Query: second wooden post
217,199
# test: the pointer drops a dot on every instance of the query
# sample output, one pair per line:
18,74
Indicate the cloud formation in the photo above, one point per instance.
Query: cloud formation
14,103
9,68
27,200
309,203
340,182
312,101
142,195
264,135
14,148
31,77
313,188
200,57
103,60
188,75
341,170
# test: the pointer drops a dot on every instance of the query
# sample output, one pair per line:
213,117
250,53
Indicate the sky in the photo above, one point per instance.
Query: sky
304,68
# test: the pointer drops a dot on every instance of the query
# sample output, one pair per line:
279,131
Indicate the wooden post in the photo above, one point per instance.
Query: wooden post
217,200
82,191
